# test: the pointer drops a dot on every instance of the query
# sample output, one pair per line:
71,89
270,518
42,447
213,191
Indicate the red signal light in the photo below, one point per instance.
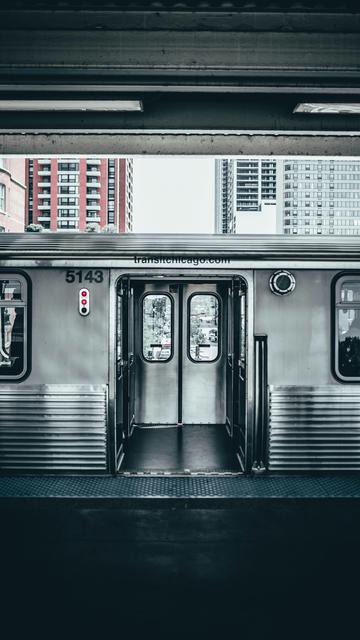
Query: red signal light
84,302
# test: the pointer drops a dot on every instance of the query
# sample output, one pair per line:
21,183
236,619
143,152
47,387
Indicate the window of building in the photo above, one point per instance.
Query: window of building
67,177
157,323
203,313
68,166
67,213
68,189
68,201
2,197
67,224
13,326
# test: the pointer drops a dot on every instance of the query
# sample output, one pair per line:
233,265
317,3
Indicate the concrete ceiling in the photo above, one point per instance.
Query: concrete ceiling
256,59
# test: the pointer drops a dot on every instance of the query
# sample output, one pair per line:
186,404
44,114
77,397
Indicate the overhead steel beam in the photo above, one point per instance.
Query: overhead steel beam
328,20
164,53
205,143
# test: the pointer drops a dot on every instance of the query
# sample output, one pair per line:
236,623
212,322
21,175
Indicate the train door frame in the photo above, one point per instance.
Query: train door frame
247,276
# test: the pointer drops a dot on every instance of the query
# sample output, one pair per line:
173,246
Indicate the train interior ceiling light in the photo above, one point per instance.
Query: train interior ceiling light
71,105
335,108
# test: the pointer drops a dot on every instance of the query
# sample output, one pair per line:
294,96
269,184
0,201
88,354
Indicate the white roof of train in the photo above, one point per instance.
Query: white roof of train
45,246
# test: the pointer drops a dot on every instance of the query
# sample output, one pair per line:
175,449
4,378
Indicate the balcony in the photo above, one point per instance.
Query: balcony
44,217
93,161
43,207
44,172
47,183
44,195
93,206
44,161
93,196
92,172
93,218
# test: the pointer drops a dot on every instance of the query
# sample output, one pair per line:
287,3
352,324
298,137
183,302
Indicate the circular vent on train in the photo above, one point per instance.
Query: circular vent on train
282,282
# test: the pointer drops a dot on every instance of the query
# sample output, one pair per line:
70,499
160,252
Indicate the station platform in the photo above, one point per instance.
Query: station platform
208,488
179,557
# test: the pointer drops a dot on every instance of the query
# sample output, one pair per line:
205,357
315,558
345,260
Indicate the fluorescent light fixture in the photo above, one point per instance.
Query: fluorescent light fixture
335,108
71,105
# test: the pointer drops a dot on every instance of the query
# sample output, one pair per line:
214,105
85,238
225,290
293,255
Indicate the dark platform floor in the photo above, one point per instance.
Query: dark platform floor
175,449
180,557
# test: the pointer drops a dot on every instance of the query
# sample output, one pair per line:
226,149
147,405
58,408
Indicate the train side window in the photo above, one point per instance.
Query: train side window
157,324
348,328
13,326
203,334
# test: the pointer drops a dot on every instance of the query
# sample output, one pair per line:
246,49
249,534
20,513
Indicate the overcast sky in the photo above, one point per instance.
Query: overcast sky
174,195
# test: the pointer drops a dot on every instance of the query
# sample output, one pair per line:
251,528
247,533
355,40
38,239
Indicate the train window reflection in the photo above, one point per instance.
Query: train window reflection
11,340
348,329
157,327
12,328
10,290
350,292
203,327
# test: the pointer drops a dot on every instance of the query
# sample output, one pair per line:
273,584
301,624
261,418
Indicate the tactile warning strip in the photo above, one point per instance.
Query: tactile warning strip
334,486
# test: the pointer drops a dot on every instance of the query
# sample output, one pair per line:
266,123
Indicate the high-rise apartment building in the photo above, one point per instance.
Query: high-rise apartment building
69,194
224,196
12,194
246,191
320,197
297,196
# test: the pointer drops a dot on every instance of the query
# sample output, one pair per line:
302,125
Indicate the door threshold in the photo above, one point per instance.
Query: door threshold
180,474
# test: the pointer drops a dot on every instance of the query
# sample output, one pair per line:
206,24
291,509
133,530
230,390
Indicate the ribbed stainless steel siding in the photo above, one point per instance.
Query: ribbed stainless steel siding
53,427
314,428
59,245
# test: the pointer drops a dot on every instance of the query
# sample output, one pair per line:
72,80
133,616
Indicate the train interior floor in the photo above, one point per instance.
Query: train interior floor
174,449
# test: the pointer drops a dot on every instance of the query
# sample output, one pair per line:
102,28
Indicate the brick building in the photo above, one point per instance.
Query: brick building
69,194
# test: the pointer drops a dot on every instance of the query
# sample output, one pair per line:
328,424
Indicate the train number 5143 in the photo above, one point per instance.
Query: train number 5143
84,276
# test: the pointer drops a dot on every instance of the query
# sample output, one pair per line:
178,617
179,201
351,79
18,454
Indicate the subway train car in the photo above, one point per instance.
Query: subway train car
158,354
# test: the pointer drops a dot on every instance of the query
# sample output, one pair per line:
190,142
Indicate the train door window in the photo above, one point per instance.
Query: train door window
13,326
203,334
157,324
348,328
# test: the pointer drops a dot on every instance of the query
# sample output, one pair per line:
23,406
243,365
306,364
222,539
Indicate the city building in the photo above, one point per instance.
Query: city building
12,194
71,194
224,196
246,194
320,197
297,196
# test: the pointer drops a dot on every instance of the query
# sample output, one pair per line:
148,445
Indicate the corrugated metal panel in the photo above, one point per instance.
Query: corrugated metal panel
98,245
53,427
314,428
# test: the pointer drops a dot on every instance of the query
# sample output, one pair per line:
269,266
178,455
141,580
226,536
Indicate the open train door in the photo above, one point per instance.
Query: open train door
125,396
236,366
